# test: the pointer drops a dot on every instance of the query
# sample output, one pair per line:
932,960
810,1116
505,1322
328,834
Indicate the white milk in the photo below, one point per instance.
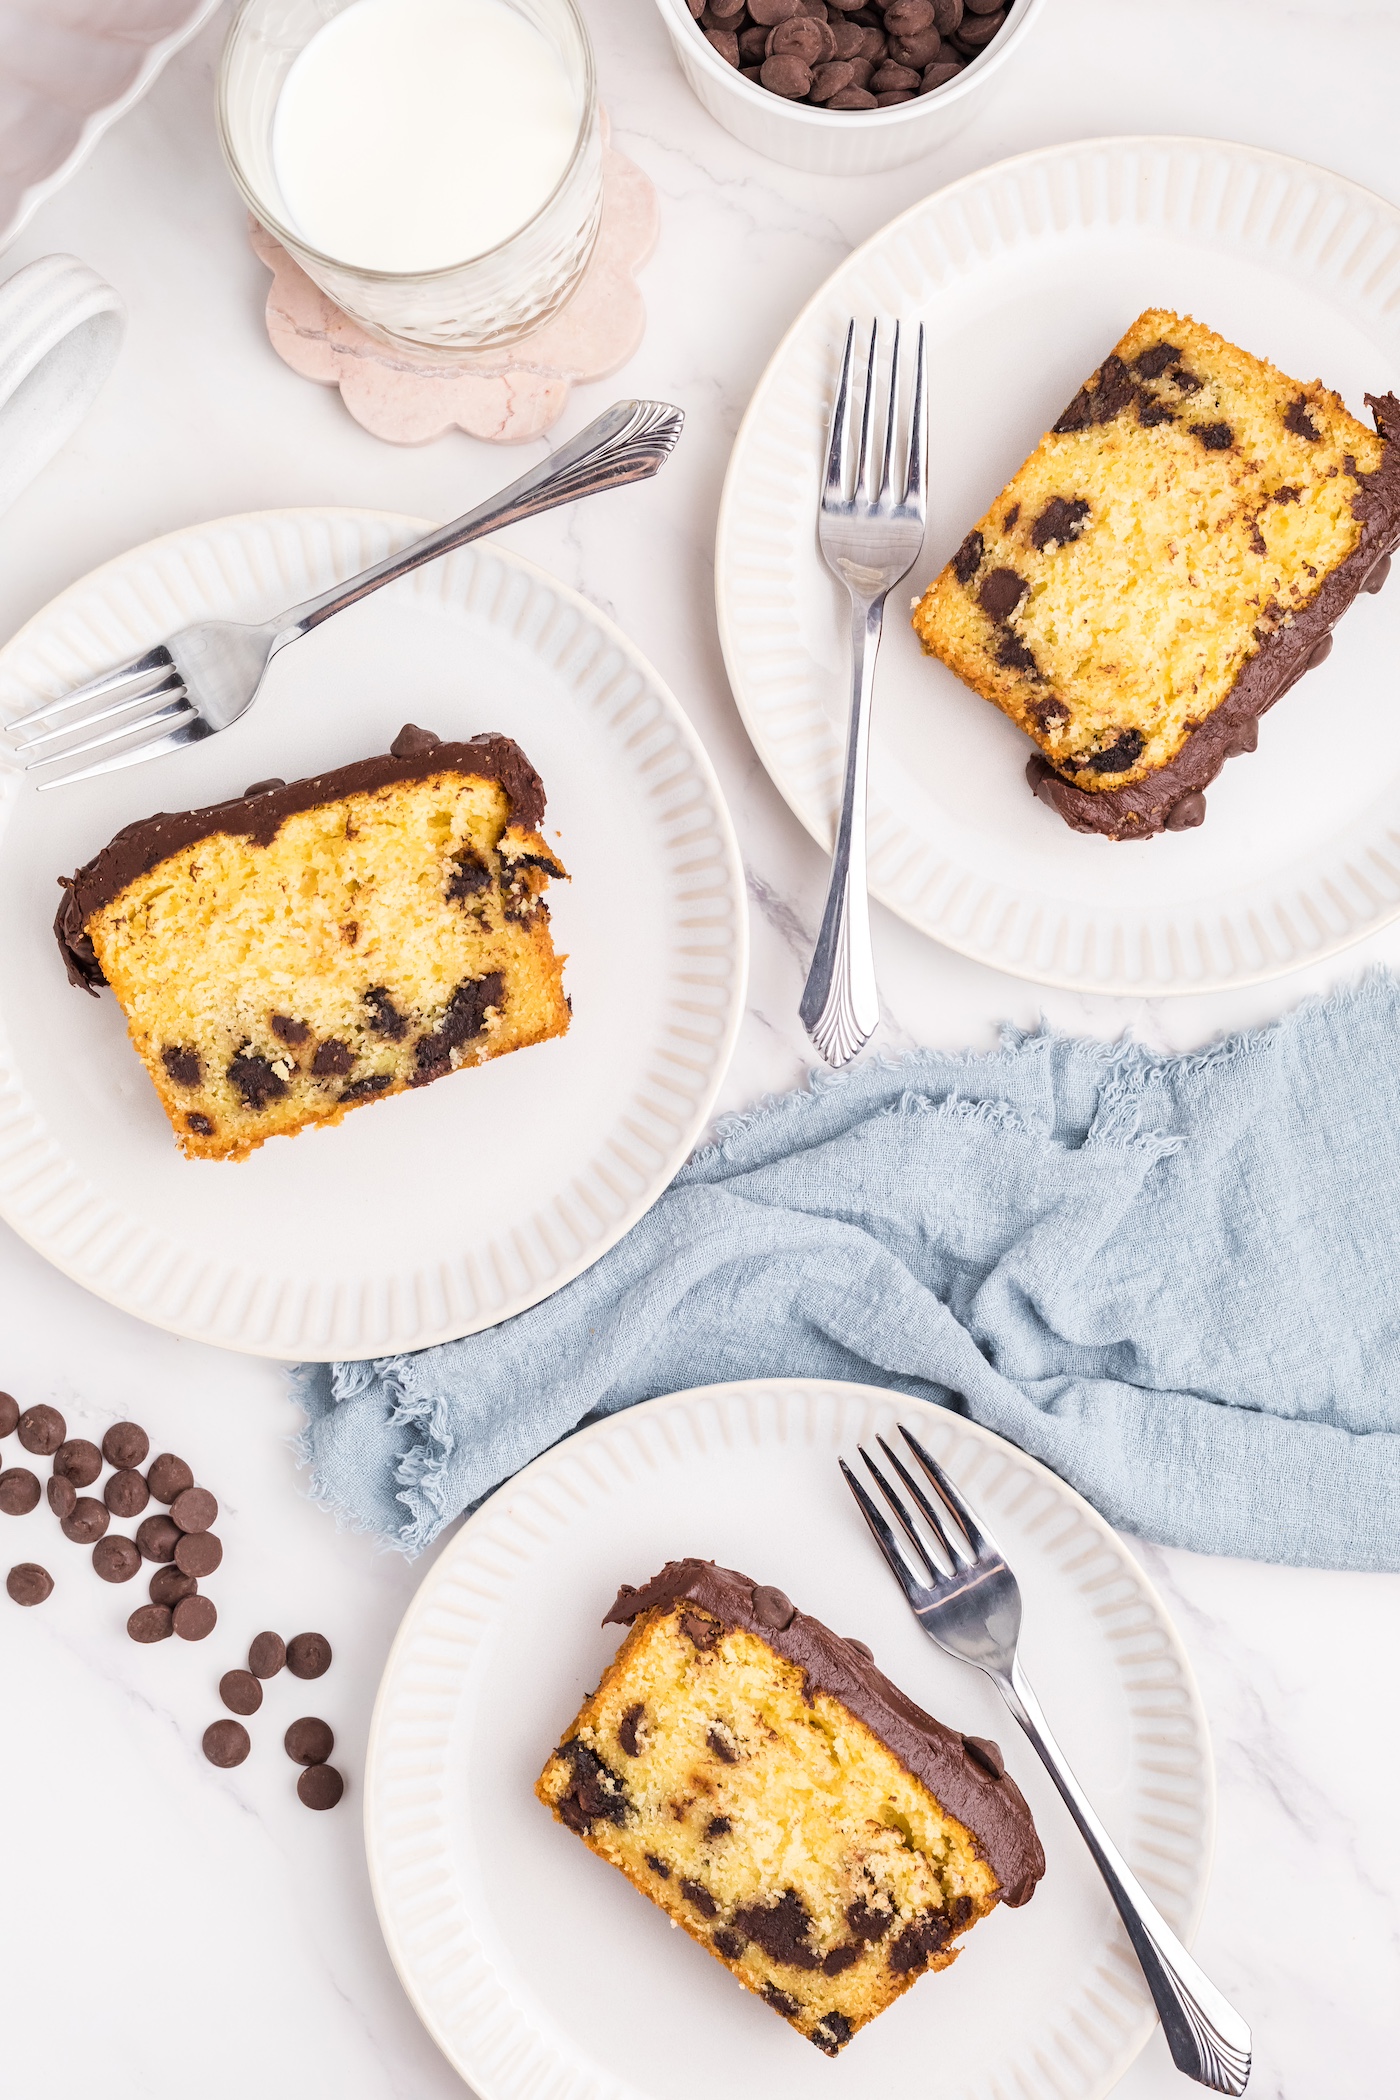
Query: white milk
413,134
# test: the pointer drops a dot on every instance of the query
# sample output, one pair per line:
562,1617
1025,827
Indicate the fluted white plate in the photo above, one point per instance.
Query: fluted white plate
68,72
1025,274
540,1972
438,1212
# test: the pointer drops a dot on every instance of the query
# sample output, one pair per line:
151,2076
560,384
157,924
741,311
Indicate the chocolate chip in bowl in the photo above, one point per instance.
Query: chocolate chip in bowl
842,86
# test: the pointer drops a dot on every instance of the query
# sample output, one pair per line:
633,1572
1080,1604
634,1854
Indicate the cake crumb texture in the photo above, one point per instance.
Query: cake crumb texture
1187,506
761,1814
374,942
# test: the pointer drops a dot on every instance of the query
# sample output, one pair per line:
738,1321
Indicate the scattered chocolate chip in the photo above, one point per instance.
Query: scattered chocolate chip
320,1786
125,1444
1319,652
413,742
1152,363
265,787
42,1430
968,559
1061,520
308,1741
332,1060
627,1729
28,1583
240,1691
1001,593
226,1743
772,1609
1376,580
62,1496
151,1622
194,1618
267,1654
116,1559
286,1030
126,1493
194,1509
168,1477
1300,422
985,1753
86,1521
1216,437
168,1585
184,1067
78,1460
19,1491
9,1414
158,1537
308,1655
198,1553
256,1080
1186,814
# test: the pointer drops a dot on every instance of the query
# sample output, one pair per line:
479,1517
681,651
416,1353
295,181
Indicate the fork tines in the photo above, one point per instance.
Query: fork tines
959,1537
911,496
145,699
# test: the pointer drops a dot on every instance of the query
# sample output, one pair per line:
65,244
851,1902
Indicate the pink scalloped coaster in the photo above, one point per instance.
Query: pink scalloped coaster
409,397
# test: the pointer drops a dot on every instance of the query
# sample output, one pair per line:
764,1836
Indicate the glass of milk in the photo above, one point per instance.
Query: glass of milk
435,166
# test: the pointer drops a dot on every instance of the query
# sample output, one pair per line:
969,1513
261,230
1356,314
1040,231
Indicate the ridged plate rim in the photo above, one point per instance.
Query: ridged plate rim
426,1687
1349,896
218,1295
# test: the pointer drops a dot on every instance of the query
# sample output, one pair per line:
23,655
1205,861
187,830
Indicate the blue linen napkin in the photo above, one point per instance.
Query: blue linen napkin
1172,1279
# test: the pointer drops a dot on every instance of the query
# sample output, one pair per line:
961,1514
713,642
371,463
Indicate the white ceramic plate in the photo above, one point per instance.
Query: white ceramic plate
438,1212
541,1972
1025,275
66,74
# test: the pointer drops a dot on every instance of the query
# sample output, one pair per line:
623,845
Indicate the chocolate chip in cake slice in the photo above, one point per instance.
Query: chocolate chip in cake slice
968,559
1117,757
125,1444
320,1786
332,1060
183,1067
1216,437
1001,592
257,1080
19,1491
308,1741
627,1729
28,1583
42,1430
384,1017
78,1460
699,1898
168,1477
1013,655
9,1414
832,2032
1154,361
116,1559
289,1031
1062,520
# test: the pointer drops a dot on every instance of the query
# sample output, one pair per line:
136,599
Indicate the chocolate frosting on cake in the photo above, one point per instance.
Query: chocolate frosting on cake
415,754
965,1774
1172,797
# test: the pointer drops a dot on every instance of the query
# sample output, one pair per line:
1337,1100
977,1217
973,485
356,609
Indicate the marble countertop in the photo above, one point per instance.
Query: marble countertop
166,1927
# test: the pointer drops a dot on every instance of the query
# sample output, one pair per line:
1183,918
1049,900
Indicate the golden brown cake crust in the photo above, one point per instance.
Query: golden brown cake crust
965,1774
1165,565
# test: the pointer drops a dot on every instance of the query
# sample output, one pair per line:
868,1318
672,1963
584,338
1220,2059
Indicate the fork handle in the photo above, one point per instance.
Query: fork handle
628,442
1207,2038
840,1003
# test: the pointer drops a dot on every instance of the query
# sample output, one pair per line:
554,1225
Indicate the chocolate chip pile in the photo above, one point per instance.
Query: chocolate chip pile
840,54
308,1742
185,1551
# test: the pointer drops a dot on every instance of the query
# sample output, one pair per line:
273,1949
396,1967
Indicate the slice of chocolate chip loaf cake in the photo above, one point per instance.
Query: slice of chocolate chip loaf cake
292,955
1169,560
774,1793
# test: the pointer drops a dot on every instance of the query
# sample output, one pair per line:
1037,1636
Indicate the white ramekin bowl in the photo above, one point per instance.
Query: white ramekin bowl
834,141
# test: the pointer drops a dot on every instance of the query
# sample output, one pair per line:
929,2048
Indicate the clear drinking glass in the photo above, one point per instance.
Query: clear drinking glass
479,304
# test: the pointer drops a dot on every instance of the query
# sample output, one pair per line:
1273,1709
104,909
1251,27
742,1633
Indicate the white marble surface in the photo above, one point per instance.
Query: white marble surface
166,1928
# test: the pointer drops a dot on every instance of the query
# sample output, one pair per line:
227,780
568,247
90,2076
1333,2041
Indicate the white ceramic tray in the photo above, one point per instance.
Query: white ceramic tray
435,1213
541,1972
1025,275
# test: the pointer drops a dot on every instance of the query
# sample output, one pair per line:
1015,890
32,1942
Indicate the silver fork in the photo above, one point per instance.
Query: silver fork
870,539
207,676
972,1610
